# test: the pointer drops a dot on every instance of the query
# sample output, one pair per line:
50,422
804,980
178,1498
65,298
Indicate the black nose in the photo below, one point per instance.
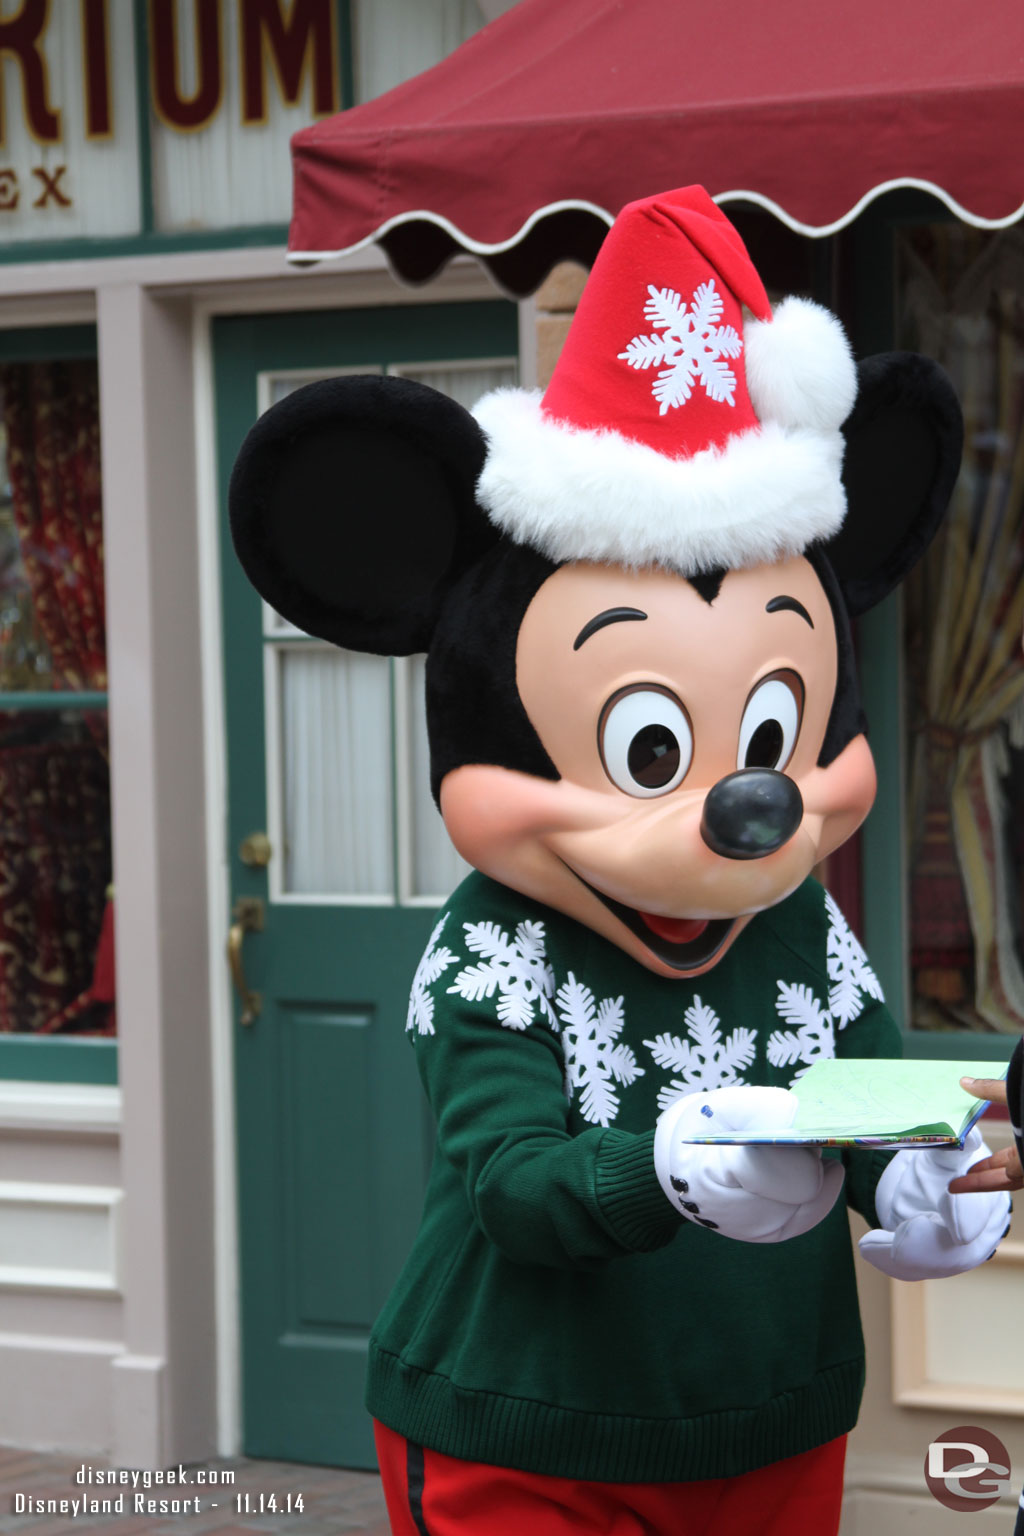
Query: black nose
751,813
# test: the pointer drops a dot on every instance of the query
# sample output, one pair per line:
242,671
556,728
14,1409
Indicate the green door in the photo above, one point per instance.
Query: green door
327,756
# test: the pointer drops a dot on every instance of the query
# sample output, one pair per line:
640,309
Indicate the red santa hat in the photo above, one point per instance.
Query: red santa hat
684,424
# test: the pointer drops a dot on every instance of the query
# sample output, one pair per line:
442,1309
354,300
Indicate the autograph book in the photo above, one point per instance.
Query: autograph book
879,1103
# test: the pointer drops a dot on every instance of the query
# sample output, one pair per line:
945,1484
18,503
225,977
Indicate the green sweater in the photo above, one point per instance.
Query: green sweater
555,1313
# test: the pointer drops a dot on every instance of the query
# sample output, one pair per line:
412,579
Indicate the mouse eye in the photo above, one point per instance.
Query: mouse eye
771,722
645,740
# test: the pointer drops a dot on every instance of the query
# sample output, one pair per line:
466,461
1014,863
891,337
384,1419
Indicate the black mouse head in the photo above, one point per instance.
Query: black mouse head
624,605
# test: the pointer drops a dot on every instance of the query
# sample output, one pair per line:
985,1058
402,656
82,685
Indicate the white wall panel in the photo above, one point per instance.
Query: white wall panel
56,1394
100,178
62,1236
395,39
974,1325
227,173
61,1310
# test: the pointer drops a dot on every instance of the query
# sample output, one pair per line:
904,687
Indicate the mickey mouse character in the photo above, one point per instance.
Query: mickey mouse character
645,732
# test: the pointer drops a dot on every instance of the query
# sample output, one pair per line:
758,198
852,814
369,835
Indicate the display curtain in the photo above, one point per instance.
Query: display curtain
965,609
54,790
51,414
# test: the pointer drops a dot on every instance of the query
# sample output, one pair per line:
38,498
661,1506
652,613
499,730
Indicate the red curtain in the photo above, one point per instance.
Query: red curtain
54,791
51,412
54,869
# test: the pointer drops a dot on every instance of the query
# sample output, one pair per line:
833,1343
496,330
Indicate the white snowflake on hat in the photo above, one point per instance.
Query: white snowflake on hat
595,470
692,344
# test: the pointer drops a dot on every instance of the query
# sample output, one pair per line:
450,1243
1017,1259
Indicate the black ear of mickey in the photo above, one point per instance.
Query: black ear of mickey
904,438
352,505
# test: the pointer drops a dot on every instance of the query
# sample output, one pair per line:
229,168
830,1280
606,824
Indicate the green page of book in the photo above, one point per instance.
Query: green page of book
879,1103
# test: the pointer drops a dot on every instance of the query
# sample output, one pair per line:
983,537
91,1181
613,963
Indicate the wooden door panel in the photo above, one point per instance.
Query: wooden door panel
327,1069
333,1133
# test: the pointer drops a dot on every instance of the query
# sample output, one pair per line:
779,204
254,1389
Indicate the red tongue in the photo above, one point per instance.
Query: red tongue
676,930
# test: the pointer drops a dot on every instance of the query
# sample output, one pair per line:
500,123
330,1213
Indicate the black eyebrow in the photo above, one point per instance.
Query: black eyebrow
788,605
609,616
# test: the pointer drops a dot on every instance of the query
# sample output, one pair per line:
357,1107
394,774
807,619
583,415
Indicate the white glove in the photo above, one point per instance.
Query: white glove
755,1193
927,1233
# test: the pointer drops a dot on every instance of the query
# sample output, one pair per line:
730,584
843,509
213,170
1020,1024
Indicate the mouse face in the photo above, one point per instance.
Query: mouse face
686,736
641,693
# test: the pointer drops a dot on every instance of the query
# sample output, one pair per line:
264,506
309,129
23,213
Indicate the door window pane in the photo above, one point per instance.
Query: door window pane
463,382
333,737
277,386
335,713
435,867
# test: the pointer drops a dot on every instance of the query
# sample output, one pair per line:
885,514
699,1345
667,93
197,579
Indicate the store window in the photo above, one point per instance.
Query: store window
56,913
961,301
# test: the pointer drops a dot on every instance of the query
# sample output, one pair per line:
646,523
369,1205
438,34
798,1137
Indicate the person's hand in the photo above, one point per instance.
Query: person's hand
1000,1171
754,1193
927,1232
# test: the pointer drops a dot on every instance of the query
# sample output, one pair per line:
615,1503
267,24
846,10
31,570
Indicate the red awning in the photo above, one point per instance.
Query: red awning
523,144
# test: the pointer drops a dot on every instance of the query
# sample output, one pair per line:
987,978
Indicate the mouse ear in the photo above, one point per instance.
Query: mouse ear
353,509
904,439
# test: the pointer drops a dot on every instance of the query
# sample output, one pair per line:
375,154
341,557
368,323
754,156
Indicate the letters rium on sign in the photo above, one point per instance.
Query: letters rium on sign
294,41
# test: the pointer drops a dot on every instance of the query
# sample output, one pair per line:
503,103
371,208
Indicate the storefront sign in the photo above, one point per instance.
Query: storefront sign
228,82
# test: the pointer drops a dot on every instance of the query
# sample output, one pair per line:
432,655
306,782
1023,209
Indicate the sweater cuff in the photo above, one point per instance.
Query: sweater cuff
629,1195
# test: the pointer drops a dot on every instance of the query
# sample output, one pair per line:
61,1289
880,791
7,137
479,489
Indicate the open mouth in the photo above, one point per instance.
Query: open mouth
684,943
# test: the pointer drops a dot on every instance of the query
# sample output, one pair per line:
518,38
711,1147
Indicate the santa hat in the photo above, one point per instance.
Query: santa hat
684,424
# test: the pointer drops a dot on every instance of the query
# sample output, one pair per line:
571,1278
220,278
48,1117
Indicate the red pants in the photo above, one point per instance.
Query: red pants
433,1495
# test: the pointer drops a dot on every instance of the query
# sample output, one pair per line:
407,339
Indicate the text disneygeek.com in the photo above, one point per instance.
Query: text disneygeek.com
130,1491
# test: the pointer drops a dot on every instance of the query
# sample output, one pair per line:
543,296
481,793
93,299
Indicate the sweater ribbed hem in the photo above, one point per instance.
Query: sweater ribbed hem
474,1425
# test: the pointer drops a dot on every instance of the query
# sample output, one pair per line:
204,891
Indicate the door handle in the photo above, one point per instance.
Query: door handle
255,850
248,917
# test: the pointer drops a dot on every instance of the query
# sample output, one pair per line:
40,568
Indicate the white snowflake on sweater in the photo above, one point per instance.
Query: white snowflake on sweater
433,965
516,968
692,345
706,1060
812,1039
851,981
594,1058
849,971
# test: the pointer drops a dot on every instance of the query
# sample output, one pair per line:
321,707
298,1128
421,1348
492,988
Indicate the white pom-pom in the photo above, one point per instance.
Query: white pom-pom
800,370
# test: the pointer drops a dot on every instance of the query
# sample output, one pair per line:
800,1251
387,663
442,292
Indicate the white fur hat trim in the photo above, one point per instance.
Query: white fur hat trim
800,370
575,494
